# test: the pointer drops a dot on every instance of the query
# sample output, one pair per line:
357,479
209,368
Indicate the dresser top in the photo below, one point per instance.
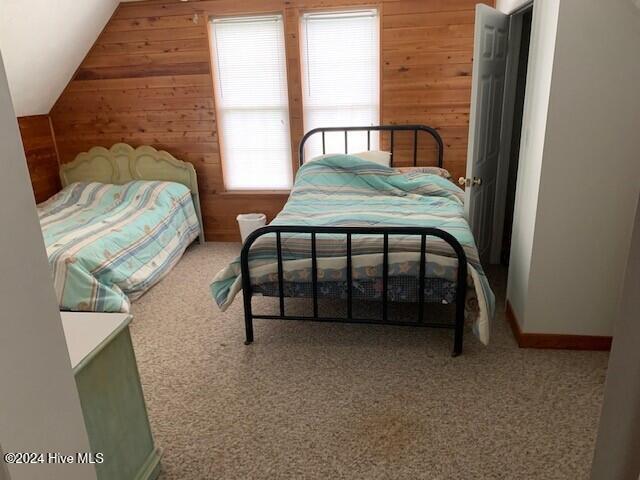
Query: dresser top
87,332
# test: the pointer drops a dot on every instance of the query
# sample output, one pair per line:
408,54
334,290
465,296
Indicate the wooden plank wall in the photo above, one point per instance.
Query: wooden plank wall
42,158
147,80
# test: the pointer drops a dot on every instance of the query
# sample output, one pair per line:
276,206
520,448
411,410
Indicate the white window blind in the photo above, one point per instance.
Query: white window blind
341,77
252,102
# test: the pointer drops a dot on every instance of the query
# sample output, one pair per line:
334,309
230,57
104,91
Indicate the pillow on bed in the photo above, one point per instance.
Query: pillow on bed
377,156
432,170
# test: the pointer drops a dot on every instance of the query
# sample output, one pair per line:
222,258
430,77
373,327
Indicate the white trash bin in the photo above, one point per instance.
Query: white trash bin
248,222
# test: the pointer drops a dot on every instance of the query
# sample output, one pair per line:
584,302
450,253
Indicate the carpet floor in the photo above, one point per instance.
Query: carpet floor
327,401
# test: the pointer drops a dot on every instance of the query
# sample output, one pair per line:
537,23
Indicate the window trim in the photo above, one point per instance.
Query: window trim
294,75
341,9
210,19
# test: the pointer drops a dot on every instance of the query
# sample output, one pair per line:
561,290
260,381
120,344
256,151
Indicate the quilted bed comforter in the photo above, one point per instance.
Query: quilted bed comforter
108,244
344,190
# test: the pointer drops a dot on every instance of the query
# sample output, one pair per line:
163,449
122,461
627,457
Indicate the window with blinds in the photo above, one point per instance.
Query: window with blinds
341,77
251,101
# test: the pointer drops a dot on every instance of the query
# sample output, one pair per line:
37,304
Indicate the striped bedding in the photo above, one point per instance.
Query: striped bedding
108,244
343,190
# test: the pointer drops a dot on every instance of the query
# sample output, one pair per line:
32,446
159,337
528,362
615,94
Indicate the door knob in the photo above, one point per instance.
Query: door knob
468,182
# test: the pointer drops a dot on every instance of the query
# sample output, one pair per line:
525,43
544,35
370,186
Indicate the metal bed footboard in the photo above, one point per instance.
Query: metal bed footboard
384,232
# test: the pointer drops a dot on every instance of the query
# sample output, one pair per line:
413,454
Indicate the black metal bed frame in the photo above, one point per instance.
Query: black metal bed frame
385,232
377,128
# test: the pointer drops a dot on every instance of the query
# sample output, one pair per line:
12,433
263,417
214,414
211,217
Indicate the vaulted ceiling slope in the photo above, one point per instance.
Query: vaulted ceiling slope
43,42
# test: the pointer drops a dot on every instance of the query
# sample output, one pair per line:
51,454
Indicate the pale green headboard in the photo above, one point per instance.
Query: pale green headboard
122,163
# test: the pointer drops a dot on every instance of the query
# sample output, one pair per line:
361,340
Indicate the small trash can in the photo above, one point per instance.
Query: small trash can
248,222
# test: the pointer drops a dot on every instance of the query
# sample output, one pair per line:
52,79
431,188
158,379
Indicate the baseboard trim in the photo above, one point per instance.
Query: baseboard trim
554,340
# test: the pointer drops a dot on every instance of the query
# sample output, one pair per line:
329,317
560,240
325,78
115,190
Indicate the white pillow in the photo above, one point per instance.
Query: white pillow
377,156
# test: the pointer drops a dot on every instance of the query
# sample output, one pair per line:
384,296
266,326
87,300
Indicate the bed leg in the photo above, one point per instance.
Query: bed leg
457,344
248,325
461,299
246,293
459,331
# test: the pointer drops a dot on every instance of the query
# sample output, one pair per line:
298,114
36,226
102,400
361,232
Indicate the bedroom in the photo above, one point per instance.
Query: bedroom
368,400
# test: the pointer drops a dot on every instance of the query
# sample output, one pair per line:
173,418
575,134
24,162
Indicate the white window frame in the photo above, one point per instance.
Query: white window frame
356,143
220,108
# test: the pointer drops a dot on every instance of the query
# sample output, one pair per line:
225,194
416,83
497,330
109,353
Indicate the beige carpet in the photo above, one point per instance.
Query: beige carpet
325,401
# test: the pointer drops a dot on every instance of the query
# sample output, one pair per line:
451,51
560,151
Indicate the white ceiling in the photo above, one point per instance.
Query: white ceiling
43,42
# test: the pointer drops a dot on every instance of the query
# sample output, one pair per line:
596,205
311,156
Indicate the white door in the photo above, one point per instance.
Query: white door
489,66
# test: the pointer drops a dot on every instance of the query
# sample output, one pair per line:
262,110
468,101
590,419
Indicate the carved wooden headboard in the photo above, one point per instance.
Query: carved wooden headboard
122,163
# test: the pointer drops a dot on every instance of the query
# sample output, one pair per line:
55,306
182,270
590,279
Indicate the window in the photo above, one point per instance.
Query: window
341,77
251,101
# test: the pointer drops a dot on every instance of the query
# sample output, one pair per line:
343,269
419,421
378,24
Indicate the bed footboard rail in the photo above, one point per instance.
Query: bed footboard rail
348,232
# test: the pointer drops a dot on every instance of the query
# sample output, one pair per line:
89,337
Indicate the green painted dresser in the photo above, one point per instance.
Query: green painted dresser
106,373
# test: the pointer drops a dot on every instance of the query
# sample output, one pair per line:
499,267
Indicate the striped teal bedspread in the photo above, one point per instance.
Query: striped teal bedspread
343,190
108,244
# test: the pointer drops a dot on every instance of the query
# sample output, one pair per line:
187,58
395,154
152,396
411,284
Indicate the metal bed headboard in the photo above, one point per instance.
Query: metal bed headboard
377,128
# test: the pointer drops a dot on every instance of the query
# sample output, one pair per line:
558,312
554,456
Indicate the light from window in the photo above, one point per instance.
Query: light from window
341,77
251,102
